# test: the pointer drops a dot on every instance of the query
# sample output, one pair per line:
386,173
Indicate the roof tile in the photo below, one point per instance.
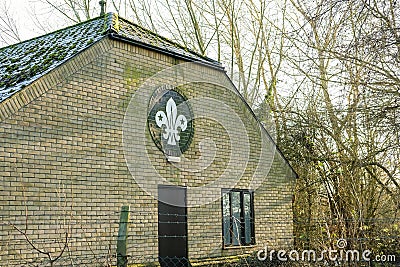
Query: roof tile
23,63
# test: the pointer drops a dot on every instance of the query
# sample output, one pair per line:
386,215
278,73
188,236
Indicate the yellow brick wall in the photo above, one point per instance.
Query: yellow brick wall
64,166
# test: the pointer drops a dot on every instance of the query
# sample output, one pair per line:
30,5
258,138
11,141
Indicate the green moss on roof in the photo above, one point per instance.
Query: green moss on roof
23,63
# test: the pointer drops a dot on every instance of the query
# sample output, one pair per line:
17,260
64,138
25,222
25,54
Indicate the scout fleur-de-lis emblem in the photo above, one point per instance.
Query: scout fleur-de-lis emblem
171,122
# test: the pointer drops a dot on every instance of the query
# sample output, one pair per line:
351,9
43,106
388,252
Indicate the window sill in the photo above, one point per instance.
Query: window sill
238,247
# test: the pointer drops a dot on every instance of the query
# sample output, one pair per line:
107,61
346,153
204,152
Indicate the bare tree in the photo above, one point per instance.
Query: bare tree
9,31
348,176
74,10
232,31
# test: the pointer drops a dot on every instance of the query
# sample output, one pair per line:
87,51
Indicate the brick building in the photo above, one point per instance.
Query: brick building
116,139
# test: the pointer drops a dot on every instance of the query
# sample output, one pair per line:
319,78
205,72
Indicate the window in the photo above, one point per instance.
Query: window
238,217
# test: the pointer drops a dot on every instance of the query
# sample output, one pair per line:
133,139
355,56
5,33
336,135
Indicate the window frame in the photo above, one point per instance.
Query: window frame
242,229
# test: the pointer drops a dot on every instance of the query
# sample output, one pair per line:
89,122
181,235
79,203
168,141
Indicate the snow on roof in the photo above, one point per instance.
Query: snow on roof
23,63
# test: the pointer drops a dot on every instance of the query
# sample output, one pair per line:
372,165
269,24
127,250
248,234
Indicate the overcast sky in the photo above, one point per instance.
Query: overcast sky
34,18
24,12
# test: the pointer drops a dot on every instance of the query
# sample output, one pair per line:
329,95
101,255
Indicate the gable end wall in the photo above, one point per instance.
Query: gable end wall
64,169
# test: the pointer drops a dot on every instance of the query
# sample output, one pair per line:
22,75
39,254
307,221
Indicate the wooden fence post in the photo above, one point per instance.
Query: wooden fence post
122,260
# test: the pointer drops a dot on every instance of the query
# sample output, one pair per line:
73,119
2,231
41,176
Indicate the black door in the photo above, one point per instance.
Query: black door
172,226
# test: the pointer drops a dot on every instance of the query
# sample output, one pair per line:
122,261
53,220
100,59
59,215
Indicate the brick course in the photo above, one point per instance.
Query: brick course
64,169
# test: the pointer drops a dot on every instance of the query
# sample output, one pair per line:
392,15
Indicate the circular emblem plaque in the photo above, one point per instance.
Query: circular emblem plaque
170,121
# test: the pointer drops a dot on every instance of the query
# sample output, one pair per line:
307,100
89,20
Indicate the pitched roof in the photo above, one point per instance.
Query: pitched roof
23,63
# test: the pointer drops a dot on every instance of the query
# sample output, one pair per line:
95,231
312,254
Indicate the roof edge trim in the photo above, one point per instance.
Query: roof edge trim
38,86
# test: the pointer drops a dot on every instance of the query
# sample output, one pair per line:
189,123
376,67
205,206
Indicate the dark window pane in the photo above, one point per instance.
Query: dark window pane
236,218
247,217
226,210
